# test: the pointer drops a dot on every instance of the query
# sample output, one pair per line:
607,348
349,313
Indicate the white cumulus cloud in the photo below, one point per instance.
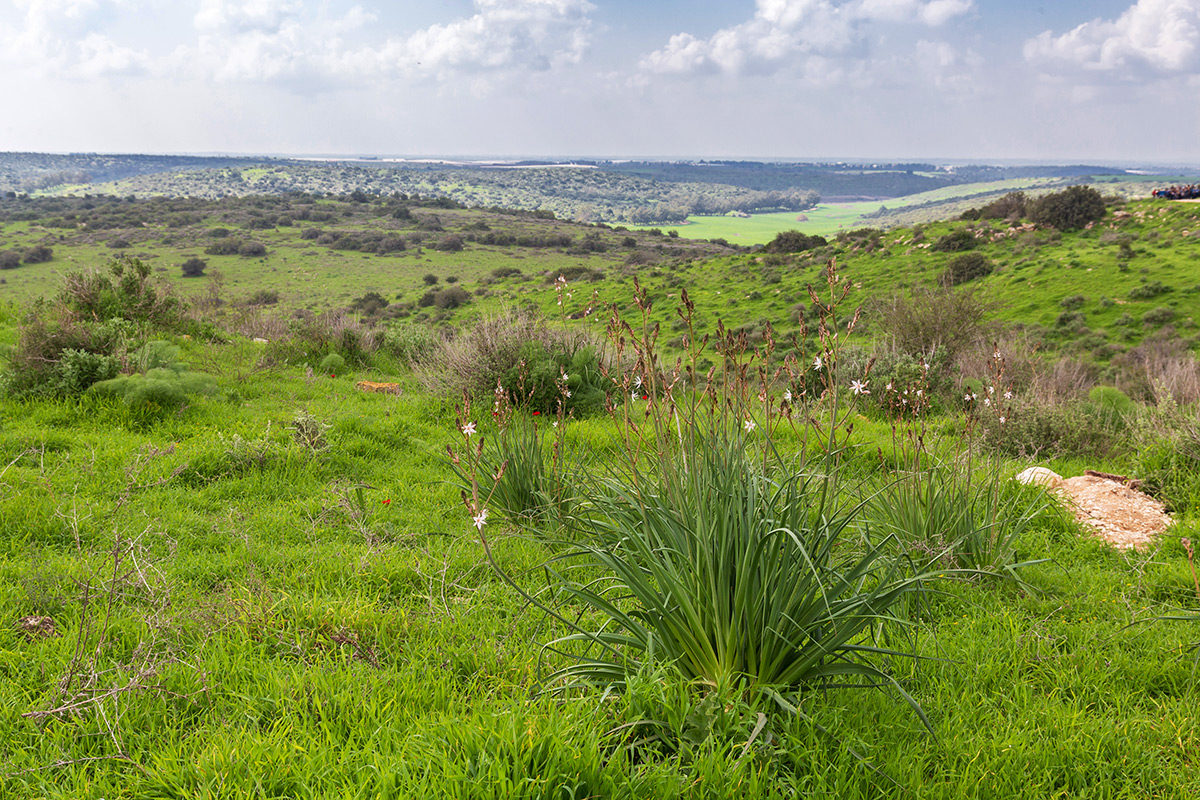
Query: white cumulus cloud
791,33
1160,35
502,34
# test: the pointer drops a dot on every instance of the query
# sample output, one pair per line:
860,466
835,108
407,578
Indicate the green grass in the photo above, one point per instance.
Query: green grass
308,644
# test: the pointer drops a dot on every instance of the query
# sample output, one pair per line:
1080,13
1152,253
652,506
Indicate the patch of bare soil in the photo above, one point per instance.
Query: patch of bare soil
1118,513
36,627
385,388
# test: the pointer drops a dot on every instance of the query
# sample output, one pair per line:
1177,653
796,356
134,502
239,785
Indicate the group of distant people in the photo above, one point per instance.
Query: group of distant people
1189,192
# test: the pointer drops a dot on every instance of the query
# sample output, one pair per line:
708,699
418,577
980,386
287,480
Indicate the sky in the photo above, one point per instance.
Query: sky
1068,81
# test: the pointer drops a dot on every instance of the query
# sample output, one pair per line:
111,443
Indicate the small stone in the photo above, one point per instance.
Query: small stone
1040,476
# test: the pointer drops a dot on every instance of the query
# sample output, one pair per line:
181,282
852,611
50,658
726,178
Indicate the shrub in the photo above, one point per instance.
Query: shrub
410,343
252,249
76,370
955,242
310,338
1158,316
1148,290
450,244
369,303
793,242
965,268
1072,302
263,297
518,351
1068,210
10,259
430,279
159,391
332,364
224,247
451,297
1009,207
194,268
38,254
929,320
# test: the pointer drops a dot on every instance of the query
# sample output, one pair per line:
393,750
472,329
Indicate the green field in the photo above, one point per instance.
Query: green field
234,573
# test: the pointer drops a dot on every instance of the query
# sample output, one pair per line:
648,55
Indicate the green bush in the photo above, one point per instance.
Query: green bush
332,364
409,342
157,392
518,351
94,322
956,242
1148,290
1072,302
1158,316
966,267
76,370
224,247
1068,210
791,242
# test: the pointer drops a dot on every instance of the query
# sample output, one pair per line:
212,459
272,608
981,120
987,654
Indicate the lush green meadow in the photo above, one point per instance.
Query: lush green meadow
272,587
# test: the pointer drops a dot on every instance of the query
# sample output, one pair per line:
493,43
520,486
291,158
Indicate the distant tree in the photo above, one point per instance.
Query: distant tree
1011,206
194,268
1068,210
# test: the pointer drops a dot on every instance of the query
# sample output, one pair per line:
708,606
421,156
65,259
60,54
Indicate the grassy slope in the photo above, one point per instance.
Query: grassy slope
828,219
1035,271
309,644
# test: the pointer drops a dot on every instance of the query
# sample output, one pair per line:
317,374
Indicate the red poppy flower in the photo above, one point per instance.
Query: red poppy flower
537,413
387,502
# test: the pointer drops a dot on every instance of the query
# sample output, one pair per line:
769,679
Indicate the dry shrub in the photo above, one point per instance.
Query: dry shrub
1063,381
1020,354
934,319
311,337
1158,368
474,361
